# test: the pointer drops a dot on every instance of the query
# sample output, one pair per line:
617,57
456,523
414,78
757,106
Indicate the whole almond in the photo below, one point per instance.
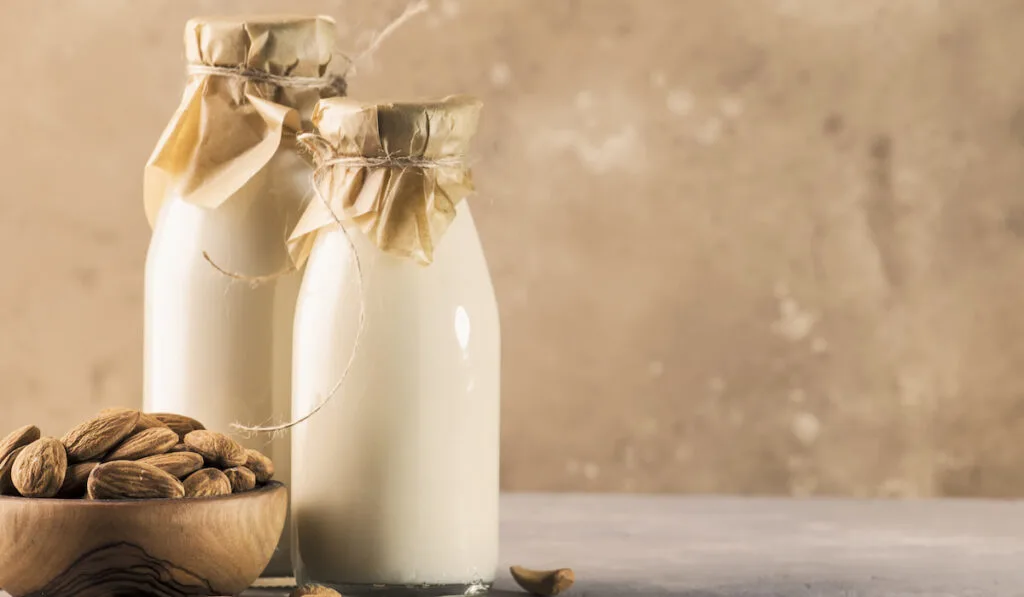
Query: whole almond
546,583
18,438
179,464
132,480
207,482
76,479
113,410
95,437
145,421
148,442
181,424
216,448
148,422
40,468
6,484
260,465
242,479
314,591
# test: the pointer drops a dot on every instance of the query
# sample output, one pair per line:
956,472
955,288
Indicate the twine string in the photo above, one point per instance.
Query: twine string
401,162
330,81
328,163
317,180
378,39
336,82
254,281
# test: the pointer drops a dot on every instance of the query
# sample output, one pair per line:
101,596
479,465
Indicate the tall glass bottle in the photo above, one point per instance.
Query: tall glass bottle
395,479
223,189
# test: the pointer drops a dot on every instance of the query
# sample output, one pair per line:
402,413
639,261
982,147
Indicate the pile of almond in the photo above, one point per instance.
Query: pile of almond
123,454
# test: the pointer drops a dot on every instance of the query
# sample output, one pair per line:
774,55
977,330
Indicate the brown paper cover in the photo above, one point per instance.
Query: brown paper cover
227,128
403,206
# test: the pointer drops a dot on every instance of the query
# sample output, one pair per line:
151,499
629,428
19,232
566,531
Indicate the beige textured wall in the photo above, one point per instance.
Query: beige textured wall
771,246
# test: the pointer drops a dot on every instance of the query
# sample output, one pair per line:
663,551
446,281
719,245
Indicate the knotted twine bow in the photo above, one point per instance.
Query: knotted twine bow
338,82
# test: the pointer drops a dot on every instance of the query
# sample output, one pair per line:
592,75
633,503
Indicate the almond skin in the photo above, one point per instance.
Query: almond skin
76,479
260,464
6,484
145,421
178,464
94,438
129,479
314,591
207,482
543,582
217,449
17,439
148,442
40,468
242,479
181,424
148,422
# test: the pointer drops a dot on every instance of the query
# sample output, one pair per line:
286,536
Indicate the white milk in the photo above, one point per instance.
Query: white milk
216,348
396,480
223,189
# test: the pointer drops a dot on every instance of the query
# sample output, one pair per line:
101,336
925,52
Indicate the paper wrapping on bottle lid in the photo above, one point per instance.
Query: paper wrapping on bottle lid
396,171
228,127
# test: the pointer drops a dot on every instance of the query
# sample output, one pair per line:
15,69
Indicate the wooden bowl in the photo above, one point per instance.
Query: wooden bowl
161,548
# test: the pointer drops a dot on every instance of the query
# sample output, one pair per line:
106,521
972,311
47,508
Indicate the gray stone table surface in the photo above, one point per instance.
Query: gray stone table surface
622,546
704,547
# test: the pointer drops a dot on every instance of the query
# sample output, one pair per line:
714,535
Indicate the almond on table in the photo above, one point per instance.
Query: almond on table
546,583
315,591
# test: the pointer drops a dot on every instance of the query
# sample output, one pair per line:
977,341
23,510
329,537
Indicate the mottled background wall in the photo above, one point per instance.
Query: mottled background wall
751,246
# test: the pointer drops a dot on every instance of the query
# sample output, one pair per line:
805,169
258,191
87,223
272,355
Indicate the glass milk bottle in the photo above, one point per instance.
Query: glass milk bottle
395,478
223,189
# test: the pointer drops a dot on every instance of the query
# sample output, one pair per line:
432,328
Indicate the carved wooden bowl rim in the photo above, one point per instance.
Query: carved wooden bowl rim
186,565
252,493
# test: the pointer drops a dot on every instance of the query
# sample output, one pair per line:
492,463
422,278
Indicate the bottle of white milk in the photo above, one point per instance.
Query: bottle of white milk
395,479
223,189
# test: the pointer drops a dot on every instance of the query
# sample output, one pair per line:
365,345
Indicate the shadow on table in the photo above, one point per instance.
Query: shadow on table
613,590
763,588
760,588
